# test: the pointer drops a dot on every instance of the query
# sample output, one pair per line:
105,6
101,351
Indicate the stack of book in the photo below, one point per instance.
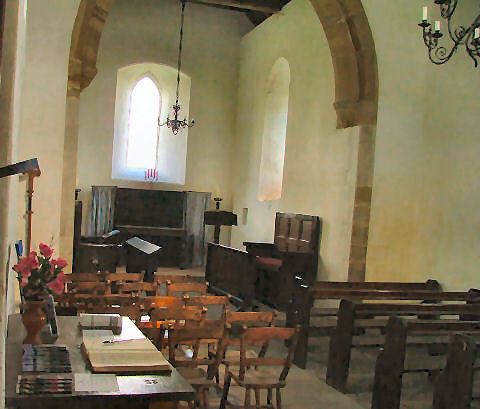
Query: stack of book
44,384
101,321
46,358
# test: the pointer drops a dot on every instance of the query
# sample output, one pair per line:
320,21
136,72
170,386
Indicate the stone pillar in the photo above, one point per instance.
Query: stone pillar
69,176
362,204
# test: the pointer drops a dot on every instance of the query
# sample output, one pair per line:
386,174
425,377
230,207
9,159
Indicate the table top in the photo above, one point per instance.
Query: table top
143,388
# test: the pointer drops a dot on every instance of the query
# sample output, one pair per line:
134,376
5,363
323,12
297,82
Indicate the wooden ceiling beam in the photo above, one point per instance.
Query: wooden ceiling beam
264,6
256,17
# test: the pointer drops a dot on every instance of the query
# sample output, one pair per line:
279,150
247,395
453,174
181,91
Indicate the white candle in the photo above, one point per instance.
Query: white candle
437,25
425,13
476,34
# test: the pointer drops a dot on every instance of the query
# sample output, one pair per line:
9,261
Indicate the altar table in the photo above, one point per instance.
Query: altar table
135,391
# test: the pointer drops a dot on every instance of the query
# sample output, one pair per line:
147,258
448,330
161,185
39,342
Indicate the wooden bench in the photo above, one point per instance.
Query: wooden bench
301,307
454,386
390,365
355,318
229,272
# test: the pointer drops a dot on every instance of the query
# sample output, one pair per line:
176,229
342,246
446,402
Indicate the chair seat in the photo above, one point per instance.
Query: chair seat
196,376
269,263
259,378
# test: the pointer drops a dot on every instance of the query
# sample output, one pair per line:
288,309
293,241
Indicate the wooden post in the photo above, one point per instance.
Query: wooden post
341,347
304,306
29,212
453,387
387,386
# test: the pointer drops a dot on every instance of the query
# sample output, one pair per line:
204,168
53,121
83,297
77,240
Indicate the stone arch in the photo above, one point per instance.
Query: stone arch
354,61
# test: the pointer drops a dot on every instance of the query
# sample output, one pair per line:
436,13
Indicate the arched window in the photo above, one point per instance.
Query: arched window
145,92
142,142
274,132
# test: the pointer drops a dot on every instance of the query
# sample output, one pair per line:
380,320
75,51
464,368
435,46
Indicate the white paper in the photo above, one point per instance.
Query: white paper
86,382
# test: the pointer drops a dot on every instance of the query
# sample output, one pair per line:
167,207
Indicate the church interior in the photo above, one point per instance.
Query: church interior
337,129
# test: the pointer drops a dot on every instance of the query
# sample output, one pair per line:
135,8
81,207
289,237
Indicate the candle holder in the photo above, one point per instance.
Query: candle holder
461,35
217,201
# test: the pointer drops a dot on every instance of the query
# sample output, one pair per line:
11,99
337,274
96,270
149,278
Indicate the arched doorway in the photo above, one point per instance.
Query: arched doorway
356,103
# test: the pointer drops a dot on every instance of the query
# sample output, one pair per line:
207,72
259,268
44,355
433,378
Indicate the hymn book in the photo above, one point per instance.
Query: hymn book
125,356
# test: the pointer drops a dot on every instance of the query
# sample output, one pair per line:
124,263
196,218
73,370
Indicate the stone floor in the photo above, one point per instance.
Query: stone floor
307,388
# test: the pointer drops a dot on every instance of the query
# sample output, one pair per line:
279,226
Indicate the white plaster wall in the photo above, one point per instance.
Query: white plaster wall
320,161
13,53
424,222
42,124
148,31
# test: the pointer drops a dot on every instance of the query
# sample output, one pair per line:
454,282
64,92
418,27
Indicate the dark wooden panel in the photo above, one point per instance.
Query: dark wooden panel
230,270
156,208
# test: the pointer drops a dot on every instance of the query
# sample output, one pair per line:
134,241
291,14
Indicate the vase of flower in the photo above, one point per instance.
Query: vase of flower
34,319
39,275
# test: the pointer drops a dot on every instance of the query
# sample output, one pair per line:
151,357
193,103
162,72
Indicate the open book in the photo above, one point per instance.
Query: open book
109,354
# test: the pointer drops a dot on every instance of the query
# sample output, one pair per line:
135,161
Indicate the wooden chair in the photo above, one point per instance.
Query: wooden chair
190,367
186,288
148,303
294,251
162,280
255,378
124,277
163,319
138,288
88,287
239,321
217,307
84,277
117,279
133,312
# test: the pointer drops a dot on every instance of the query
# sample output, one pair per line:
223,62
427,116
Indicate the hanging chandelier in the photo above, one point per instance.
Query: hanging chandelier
461,35
176,124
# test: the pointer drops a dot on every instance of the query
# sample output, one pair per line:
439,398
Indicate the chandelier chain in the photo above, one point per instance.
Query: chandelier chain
180,50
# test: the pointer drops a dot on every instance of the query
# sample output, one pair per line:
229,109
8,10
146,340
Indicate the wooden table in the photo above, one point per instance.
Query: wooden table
134,391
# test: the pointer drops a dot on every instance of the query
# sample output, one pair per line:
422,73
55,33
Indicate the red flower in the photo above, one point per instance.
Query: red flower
62,278
61,262
22,265
45,250
56,286
24,282
25,266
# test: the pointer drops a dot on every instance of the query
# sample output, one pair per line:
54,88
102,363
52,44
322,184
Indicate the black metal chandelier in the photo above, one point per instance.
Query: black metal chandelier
176,124
461,35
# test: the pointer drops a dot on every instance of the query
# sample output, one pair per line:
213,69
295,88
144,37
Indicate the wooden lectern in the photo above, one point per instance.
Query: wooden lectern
219,218
31,168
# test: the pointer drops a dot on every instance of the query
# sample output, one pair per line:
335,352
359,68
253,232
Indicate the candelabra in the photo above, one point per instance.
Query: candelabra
461,35
176,124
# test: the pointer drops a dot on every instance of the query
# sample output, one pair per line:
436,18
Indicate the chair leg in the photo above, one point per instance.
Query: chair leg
226,374
257,398
205,400
247,398
279,398
226,387
269,396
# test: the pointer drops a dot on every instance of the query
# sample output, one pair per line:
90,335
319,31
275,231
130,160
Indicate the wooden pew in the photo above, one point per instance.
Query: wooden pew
229,272
353,317
390,365
453,387
301,308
